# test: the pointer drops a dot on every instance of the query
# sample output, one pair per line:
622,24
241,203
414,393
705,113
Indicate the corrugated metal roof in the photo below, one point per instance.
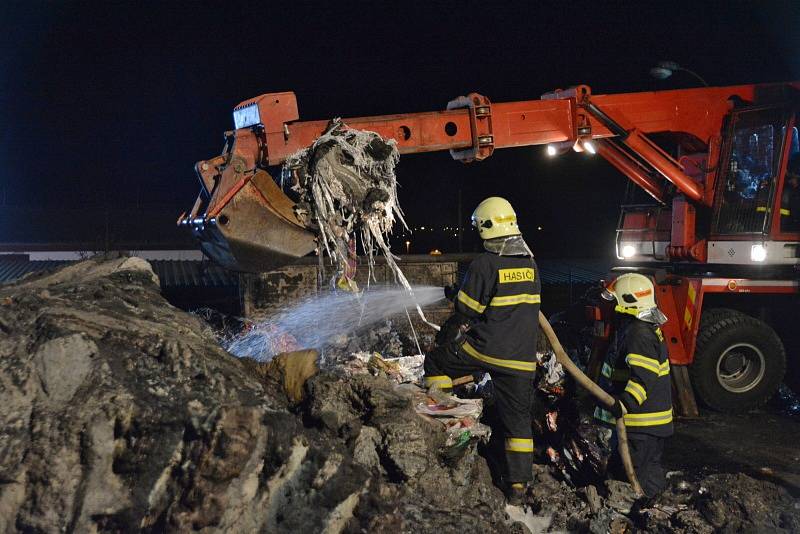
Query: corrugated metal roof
171,273
14,268
182,273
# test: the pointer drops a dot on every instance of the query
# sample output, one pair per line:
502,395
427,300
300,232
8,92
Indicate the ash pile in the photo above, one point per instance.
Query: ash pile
122,413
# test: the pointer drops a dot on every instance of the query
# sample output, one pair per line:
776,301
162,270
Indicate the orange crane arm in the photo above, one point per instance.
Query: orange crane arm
471,128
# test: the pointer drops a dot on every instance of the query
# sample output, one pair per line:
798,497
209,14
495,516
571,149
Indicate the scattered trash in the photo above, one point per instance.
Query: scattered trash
407,368
292,370
452,407
575,445
553,372
466,427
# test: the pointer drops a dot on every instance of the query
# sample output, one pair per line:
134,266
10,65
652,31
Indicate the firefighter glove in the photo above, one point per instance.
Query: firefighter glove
618,409
451,292
451,330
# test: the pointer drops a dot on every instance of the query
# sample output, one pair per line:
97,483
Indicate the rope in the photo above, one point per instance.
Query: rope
413,330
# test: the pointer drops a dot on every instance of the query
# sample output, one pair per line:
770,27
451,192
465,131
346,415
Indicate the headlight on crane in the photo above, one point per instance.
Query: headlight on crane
584,144
758,252
628,251
556,149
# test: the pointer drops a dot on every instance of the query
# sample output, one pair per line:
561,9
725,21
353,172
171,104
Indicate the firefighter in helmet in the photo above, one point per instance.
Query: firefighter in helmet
636,372
494,330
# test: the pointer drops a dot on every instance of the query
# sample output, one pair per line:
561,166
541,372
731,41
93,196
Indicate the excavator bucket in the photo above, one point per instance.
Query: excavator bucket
249,224
343,176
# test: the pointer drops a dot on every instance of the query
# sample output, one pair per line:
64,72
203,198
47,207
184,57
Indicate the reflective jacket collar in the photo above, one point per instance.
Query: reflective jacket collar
513,245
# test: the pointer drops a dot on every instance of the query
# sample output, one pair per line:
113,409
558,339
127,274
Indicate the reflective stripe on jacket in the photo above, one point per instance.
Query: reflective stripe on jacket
637,371
501,296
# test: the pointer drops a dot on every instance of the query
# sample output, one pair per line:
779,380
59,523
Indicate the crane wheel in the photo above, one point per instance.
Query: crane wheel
739,361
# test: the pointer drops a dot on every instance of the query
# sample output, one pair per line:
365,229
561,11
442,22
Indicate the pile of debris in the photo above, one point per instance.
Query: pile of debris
702,504
122,413
347,187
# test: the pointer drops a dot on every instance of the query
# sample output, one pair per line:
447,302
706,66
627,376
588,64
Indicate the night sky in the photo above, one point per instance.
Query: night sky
105,107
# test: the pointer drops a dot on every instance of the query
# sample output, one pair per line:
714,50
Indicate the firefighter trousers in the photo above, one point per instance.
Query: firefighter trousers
646,453
513,394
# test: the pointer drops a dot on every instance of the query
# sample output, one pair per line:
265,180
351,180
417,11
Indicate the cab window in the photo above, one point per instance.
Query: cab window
749,171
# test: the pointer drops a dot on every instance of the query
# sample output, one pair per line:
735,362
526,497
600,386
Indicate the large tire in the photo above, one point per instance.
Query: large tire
739,361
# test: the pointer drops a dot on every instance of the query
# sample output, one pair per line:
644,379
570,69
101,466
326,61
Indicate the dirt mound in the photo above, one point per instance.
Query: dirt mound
121,414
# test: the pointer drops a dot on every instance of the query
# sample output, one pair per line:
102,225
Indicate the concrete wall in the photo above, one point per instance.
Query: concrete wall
262,294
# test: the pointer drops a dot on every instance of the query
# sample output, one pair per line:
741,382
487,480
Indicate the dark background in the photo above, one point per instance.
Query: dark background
105,107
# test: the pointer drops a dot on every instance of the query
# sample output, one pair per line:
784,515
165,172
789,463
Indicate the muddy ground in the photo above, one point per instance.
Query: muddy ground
764,444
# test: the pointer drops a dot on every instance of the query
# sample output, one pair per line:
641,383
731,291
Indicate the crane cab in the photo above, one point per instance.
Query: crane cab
729,269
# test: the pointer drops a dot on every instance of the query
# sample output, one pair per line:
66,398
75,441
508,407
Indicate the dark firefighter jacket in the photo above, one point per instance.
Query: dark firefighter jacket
636,371
501,297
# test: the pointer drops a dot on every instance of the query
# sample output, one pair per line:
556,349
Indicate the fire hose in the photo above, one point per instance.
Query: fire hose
586,383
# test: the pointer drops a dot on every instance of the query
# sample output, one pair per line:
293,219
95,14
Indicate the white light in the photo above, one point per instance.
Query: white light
628,251
246,116
589,146
758,253
551,150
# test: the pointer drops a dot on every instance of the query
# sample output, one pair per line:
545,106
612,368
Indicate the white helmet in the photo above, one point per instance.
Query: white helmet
635,295
495,217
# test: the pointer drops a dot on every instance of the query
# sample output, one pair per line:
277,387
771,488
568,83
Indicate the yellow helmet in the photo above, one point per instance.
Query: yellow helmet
633,292
494,217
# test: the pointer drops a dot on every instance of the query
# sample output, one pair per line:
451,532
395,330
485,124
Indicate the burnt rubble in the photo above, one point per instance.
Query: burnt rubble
122,413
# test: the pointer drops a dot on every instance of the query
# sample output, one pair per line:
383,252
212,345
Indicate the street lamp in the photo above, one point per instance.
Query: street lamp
408,247
665,69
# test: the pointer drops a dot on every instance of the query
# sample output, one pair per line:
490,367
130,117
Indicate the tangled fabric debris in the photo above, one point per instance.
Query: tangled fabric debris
348,188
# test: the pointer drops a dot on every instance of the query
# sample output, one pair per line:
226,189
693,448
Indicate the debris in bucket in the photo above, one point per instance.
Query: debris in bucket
347,187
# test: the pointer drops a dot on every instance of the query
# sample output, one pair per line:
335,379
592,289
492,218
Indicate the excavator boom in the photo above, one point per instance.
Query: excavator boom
245,222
